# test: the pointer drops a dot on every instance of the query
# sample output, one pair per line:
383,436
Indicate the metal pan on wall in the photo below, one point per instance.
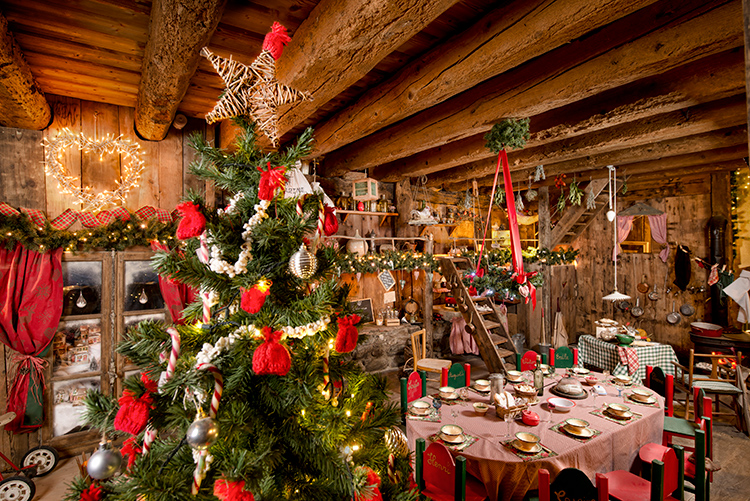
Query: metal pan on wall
637,311
687,310
673,317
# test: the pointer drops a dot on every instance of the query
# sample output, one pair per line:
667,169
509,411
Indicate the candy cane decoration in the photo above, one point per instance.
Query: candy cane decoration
326,373
203,255
200,467
321,218
150,435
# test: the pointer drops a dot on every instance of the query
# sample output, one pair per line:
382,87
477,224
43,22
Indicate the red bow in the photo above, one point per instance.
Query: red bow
270,180
92,493
131,450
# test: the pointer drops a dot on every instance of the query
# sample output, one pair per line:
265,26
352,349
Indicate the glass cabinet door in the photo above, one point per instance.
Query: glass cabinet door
81,349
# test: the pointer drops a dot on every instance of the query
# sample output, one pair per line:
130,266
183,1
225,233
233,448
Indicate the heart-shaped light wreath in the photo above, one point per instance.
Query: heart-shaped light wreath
133,168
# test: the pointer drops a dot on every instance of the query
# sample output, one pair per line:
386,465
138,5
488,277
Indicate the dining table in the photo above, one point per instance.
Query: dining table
488,442
626,360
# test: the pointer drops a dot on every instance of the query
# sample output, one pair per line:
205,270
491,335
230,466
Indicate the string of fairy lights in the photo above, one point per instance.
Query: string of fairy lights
132,167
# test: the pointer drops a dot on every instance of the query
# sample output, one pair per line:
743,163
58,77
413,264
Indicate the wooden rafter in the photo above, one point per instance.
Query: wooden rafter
22,102
177,32
506,38
710,78
341,41
546,88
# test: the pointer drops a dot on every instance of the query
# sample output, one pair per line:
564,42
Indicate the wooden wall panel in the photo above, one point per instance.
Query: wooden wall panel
100,172
66,113
189,155
22,182
148,191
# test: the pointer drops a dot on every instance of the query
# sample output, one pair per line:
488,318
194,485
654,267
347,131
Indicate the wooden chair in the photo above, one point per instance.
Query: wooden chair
666,474
716,384
440,478
696,470
571,483
412,388
564,358
457,376
527,361
419,350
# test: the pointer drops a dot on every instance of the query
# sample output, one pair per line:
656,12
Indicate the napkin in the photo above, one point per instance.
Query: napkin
599,389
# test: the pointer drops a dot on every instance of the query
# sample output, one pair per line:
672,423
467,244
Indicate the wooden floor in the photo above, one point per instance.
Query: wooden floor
731,450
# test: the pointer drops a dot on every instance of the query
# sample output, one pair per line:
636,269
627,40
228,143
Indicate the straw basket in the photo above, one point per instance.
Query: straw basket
514,411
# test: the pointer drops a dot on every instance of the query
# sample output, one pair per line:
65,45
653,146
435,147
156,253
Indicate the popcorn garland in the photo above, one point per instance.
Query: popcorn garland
218,265
232,205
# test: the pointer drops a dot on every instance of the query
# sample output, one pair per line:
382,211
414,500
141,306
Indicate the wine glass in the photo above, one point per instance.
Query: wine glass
454,413
508,418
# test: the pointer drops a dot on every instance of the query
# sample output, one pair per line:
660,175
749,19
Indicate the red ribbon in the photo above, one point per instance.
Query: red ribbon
521,277
31,366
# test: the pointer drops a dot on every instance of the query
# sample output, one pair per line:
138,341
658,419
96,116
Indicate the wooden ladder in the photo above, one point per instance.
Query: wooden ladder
577,218
480,315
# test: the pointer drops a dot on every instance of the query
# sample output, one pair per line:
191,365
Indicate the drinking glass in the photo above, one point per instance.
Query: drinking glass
454,413
508,418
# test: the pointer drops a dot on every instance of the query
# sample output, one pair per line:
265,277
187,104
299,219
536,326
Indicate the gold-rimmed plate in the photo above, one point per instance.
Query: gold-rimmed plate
532,450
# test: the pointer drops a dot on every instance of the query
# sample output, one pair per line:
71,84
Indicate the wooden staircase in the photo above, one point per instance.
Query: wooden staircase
482,320
576,219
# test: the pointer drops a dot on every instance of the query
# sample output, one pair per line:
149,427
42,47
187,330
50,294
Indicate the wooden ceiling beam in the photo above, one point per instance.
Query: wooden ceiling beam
716,146
699,119
504,39
341,41
552,81
710,78
22,101
179,29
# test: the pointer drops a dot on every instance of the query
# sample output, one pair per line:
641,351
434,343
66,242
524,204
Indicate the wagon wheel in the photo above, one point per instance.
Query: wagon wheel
17,489
44,457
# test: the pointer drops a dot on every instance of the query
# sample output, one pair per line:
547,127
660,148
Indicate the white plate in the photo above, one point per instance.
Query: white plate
453,440
583,433
536,448
580,370
481,391
622,417
452,396
649,400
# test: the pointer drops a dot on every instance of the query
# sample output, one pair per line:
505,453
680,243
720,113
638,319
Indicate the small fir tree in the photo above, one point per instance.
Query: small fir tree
297,419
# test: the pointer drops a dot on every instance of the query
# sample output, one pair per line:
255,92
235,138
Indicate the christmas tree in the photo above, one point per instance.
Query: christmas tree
254,397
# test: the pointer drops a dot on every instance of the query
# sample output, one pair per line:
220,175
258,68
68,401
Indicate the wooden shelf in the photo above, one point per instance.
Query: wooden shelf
439,225
383,215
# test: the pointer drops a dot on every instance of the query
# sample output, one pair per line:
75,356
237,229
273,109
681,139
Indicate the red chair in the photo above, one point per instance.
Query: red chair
440,478
666,476
411,389
571,483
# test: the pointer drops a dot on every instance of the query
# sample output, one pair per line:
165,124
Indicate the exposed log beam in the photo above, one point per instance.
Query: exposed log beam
710,78
642,179
506,38
551,82
177,32
706,117
573,214
718,146
341,41
22,101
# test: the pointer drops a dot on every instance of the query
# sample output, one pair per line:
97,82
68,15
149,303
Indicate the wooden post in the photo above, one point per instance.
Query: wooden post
427,296
545,238
404,205
746,25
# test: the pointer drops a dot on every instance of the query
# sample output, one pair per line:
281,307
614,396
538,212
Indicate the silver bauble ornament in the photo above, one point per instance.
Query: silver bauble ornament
104,462
203,432
303,263
395,441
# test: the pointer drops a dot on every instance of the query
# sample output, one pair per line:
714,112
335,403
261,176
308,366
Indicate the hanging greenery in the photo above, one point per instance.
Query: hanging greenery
502,257
386,260
576,194
510,133
118,235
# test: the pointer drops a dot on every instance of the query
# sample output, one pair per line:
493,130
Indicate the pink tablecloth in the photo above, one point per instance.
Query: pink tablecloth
507,477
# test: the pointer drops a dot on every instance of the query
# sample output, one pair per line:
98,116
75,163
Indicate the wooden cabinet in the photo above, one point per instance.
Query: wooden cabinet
104,294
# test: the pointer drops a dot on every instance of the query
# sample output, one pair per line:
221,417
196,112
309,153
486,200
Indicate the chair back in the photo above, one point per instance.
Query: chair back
457,376
528,361
716,360
438,468
570,483
412,388
418,346
663,384
564,357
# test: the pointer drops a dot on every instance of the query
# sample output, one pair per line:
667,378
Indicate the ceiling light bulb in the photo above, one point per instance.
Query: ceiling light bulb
611,215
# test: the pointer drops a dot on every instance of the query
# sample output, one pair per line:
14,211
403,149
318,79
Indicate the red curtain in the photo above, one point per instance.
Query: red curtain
31,302
176,294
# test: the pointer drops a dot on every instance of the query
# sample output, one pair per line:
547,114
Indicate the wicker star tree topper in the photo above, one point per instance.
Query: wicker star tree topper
253,90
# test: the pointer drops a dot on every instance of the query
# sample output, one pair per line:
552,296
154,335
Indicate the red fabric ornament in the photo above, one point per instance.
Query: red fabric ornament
276,39
132,416
346,337
229,490
480,272
192,223
254,298
331,223
373,482
131,450
270,180
271,357
92,493
150,385
473,291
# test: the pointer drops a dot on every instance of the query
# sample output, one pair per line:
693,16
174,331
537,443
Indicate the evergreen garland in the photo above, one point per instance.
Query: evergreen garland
386,260
510,133
118,235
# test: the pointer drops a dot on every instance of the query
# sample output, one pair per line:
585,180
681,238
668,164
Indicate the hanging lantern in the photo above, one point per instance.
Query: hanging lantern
203,432
365,189
104,462
143,298
303,263
81,302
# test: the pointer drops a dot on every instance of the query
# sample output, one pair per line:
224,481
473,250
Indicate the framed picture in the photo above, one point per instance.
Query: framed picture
386,278
363,308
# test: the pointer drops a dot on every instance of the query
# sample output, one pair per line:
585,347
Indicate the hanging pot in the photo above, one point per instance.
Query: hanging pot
623,305
687,310
643,287
653,295
673,317
637,311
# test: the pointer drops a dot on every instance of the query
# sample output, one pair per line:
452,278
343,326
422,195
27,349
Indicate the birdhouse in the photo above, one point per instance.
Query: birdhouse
365,189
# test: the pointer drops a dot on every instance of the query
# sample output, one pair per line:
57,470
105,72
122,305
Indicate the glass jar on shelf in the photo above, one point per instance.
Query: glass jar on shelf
382,204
